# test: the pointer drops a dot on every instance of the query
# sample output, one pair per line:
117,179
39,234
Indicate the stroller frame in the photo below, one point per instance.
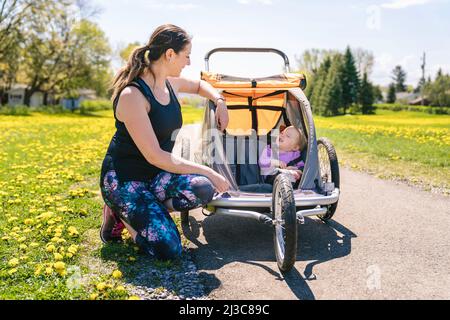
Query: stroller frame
318,190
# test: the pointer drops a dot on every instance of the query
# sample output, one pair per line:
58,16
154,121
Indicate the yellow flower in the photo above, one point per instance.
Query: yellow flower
59,265
14,262
120,288
48,270
38,271
50,248
73,249
93,296
28,221
58,256
134,298
101,286
23,246
72,231
22,239
12,271
117,274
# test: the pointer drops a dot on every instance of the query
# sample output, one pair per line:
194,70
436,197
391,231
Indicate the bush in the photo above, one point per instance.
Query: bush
50,109
88,106
18,110
403,107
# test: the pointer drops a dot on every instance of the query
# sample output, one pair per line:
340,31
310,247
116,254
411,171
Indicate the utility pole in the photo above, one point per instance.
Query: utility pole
423,78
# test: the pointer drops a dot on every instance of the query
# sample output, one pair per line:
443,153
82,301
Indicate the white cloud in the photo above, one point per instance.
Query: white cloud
264,2
401,4
171,6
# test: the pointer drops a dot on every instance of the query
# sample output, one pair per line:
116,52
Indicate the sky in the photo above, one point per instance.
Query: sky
397,32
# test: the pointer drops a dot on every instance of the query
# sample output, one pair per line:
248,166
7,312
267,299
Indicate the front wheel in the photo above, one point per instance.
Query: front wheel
285,217
329,171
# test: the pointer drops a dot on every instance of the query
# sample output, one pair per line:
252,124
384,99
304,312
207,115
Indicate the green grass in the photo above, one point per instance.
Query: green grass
50,209
409,146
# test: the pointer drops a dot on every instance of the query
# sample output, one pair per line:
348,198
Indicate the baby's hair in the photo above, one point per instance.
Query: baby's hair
302,139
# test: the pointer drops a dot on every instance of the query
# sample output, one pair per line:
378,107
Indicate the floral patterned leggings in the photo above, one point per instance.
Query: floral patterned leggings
140,204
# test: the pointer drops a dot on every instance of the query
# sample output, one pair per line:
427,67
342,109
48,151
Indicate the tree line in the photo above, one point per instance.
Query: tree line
52,47
339,82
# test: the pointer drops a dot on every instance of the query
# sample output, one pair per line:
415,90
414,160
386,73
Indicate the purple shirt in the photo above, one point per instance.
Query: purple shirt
286,157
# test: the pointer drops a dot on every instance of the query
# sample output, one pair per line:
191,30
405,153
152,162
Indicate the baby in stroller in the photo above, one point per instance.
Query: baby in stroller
290,142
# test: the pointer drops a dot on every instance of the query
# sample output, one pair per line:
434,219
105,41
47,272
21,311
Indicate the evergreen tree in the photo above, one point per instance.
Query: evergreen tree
319,80
377,94
399,77
391,97
350,80
331,96
366,96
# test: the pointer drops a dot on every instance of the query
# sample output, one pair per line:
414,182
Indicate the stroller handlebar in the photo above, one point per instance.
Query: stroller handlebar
241,49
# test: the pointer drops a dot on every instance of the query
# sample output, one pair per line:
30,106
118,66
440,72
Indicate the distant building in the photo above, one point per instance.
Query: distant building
16,96
75,103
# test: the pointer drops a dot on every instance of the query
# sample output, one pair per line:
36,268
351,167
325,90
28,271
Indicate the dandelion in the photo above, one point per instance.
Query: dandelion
58,256
101,286
134,298
50,248
72,231
14,262
117,274
93,296
12,271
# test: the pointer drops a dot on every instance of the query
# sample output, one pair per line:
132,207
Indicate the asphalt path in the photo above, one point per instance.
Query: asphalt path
386,241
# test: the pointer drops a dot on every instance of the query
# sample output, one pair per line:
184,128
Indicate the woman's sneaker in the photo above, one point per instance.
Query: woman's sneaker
111,229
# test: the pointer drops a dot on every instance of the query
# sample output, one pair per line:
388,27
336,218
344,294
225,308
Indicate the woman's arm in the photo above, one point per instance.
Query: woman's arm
206,90
132,107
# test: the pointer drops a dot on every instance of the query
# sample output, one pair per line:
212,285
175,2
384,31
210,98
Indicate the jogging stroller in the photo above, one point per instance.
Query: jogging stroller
258,109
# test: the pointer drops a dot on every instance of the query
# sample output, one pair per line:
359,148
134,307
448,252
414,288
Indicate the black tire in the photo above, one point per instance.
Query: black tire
284,235
329,170
185,148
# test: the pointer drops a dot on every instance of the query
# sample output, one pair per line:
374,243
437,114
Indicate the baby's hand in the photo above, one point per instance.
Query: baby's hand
297,174
278,164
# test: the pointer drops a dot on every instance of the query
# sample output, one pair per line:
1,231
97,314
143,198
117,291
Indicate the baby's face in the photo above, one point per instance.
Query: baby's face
288,140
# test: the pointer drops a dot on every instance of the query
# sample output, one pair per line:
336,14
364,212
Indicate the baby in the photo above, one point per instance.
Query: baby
290,141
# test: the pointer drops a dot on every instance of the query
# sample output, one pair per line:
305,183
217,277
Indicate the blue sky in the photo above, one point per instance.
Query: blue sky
395,31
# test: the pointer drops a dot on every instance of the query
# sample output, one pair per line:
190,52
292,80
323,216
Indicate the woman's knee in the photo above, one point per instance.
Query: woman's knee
202,188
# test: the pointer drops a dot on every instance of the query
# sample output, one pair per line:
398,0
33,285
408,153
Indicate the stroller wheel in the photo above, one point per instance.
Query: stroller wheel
329,170
285,217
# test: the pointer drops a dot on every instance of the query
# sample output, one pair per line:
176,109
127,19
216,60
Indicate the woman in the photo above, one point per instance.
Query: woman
140,179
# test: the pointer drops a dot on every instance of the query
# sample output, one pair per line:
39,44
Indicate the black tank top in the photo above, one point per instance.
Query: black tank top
123,156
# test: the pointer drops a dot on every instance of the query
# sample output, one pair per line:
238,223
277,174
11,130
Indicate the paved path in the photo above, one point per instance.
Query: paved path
387,241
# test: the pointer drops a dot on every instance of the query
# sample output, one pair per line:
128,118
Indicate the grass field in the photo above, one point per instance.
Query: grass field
50,203
413,147
50,208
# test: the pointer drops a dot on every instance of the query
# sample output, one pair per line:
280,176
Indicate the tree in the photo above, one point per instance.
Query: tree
391,96
366,96
15,19
63,53
364,60
331,98
319,80
126,52
438,91
377,94
399,77
350,80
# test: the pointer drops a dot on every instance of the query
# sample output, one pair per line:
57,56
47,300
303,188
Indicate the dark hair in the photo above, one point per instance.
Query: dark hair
165,37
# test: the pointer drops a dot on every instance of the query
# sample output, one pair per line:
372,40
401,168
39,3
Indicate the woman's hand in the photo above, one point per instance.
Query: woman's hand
221,115
220,183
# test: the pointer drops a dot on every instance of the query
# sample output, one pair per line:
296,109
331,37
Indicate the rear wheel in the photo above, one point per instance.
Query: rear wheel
285,229
329,170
